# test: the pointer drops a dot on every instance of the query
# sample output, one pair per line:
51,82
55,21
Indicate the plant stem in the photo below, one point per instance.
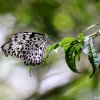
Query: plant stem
94,34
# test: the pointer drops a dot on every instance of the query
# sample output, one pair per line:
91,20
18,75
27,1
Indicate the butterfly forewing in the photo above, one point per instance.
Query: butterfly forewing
29,46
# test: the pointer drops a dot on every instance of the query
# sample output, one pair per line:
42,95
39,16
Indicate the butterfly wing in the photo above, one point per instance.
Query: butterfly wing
12,48
35,56
29,46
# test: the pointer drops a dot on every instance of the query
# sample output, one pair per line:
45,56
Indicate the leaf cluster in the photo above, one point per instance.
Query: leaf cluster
73,48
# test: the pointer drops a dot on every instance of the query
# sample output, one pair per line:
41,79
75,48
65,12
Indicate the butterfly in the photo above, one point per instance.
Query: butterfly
30,46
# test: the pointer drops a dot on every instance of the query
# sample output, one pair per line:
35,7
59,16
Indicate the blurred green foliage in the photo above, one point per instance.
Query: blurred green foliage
53,16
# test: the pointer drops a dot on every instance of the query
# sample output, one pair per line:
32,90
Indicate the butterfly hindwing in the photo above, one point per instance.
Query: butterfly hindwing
35,54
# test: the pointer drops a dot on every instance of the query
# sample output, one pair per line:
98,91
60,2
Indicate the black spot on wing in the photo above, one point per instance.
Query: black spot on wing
32,35
24,37
36,45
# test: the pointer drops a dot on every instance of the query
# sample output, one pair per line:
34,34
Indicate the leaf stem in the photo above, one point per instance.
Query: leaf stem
94,34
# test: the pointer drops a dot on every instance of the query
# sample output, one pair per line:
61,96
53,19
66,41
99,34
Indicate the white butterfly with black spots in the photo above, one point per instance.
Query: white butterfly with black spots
30,46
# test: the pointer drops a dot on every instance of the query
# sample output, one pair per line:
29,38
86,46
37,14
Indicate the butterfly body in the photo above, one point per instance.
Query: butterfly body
30,46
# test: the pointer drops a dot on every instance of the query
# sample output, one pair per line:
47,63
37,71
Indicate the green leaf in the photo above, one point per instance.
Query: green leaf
51,48
71,52
70,58
78,50
67,41
81,37
93,56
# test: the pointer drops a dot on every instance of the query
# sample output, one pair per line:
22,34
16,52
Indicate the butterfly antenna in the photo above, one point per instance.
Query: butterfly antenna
91,27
